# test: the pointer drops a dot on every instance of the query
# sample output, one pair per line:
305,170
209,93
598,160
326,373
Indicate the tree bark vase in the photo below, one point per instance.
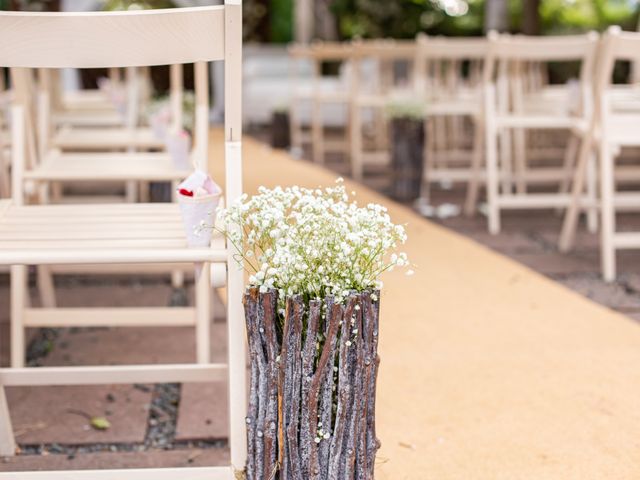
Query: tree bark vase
313,378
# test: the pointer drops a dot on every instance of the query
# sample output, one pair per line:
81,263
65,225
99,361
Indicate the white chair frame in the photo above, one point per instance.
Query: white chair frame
505,115
191,35
449,100
385,53
319,53
614,126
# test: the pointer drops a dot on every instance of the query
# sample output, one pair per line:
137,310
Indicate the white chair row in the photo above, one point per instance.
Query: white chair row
495,118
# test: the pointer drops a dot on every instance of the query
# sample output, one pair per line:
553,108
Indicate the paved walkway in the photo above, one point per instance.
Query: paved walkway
489,369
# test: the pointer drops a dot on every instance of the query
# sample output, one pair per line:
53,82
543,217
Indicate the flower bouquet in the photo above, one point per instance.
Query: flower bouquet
314,259
198,197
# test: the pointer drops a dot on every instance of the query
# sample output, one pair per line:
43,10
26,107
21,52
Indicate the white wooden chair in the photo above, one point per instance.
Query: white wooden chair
326,94
614,127
450,73
372,88
91,107
55,165
511,109
82,129
124,233
4,138
5,154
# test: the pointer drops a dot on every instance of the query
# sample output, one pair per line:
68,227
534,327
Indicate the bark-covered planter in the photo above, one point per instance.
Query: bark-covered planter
311,409
280,133
407,157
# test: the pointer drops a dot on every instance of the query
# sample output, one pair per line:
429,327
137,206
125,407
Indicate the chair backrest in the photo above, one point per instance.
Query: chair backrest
512,49
452,48
381,64
134,39
616,46
445,65
518,65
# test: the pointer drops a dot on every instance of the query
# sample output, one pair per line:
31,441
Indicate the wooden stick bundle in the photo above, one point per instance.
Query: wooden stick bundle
313,378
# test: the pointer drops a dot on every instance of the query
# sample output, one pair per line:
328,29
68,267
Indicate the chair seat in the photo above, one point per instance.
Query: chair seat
543,120
622,129
106,138
142,166
93,234
93,99
88,118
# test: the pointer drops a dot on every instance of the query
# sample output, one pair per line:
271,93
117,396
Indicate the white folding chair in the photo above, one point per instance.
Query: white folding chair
328,96
512,107
373,85
82,108
125,233
614,127
450,73
80,128
53,165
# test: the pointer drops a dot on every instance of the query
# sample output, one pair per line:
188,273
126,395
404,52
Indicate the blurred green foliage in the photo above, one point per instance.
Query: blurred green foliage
405,18
561,16
281,21
113,5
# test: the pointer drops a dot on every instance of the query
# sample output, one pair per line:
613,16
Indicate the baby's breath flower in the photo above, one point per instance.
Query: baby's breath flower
314,242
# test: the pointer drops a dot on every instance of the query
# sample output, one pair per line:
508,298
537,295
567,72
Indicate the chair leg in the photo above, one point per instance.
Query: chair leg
491,138
177,278
144,192
317,133
19,294
46,287
473,187
592,195
505,160
568,162
357,167
7,439
203,313
570,223
131,189
520,160
607,249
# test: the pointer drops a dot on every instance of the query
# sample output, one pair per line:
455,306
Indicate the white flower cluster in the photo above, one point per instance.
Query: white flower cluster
314,242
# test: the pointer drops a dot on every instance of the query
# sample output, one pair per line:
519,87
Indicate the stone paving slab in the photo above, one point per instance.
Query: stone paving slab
133,345
54,414
203,412
514,242
103,460
612,295
114,291
555,264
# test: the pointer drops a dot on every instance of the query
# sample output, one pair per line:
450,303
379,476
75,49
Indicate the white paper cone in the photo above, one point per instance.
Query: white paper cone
179,146
196,211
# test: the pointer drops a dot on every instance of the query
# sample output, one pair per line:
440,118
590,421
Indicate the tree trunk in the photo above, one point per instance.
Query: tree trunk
326,26
496,15
303,15
296,385
531,17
